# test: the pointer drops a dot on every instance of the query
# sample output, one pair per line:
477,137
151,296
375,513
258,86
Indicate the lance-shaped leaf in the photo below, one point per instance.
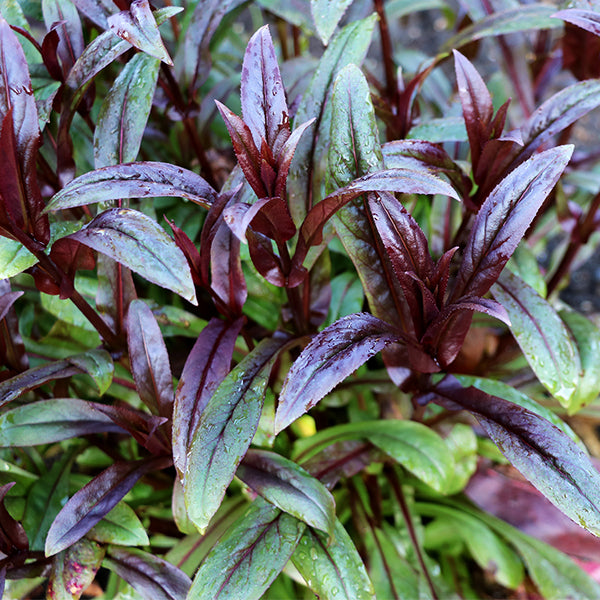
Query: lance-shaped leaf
249,556
541,335
205,368
330,357
289,487
12,534
326,16
553,463
120,526
586,19
134,180
124,112
137,242
151,576
95,500
226,428
332,569
149,359
138,27
74,570
264,106
504,217
97,11
52,420
70,33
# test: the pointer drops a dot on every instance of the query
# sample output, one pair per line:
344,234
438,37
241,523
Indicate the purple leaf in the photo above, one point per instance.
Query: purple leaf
134,180
6,301
151,576
286,154
12,534
267,263
205,368
586,19
249,556
504,218
138,27
149,359
12,349
264,106
95,500
331,356
225,431
96,11
69,30
289,487
553,462
53,420
137,242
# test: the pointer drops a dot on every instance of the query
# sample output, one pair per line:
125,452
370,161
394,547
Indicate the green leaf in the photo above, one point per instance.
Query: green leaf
445,129
14,258
98,364
137,242
226,428
120,526
541,335
327,14
522,18
124,112
347,297
349,46
489,551
587,339
45,499
289,487
332,569
524,264
249,556
462,442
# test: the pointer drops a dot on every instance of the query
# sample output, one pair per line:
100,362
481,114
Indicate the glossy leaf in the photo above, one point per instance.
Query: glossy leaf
331,356
124,112
151,576
225,430
149,359
542,336
462,442
52,420
133,180
504,217
557,466
138,27
327,15
205,368
249,556
74,570
69,30
94,501
98,364
137,242
14,258
289,487
120,526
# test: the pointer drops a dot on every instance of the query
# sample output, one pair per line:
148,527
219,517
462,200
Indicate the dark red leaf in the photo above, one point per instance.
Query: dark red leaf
49,53
12,535
12,349
285,155
263,97
151,576
586,19
269,216
504,218
95,500
149,359
96,11
62,16
205,368
265,260
189,250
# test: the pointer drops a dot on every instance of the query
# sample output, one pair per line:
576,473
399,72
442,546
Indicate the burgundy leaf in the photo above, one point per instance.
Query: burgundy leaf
189,250
285,156
331,356
12,535
586,19
269,216
205,368
138,27
476,104
151,576
549,458
49,53
95,500
12,349
96,11
265,260
504,218
6,301
263,97
69,30
149,359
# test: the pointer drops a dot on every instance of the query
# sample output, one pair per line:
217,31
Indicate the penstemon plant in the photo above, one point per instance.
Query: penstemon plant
277,335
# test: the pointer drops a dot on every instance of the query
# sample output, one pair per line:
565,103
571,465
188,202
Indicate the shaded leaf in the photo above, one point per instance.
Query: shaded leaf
70,33
52,420
586,19
138,27
225,430
249,556
332,569
133,180
205,368
120,526
124,112
330,357
12,535
95,500
149,359
96,11
289,487
542,336
137,242
149,575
